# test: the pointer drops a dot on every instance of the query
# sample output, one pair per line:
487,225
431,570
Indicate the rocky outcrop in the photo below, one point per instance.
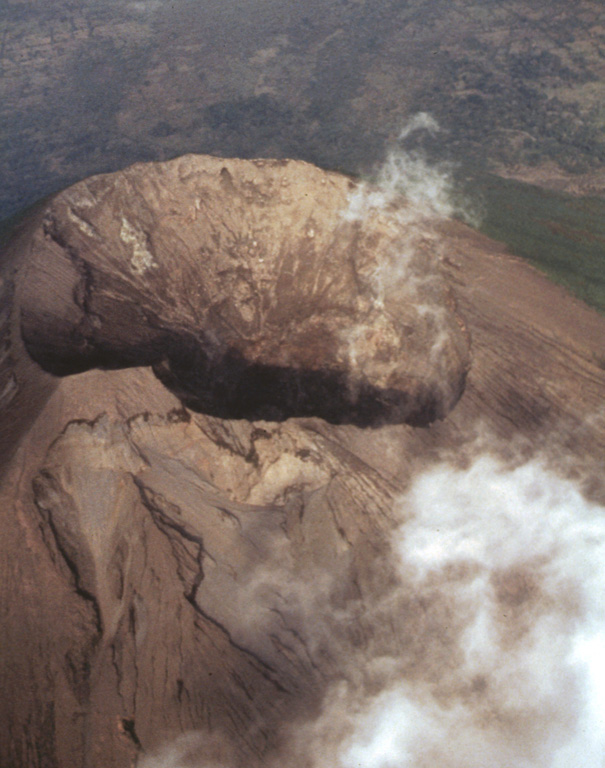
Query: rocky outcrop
171,570
249,286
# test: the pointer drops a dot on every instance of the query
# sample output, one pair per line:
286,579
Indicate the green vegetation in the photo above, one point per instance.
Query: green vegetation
562,235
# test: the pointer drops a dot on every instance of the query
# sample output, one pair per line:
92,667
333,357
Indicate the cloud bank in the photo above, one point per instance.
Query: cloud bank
510,565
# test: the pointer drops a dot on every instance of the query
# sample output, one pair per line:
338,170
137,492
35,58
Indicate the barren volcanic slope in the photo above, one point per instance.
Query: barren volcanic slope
221,381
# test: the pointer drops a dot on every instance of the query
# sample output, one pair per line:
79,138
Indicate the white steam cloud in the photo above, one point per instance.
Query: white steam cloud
513,565
428,187
176,755
413,197
421,121
144,6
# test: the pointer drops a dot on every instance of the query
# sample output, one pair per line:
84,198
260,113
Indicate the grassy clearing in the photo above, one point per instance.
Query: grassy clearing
562,235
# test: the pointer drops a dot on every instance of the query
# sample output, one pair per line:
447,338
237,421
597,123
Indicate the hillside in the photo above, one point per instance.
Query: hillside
197,569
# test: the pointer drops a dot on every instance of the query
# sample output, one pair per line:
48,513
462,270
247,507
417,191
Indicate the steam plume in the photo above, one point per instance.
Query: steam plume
509,567
413,196
418,122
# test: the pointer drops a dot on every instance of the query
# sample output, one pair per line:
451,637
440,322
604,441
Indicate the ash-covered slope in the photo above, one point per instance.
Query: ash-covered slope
172,569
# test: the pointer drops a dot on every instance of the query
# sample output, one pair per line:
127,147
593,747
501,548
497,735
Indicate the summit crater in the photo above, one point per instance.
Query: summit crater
253,288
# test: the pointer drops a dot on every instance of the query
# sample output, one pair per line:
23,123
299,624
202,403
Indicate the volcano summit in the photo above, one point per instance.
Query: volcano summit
248,288
219,380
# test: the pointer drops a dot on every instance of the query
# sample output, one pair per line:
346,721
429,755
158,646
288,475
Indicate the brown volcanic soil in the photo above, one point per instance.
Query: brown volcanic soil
165,570
252,287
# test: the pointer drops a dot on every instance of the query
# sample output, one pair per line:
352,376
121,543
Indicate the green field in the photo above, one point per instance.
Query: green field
562,235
